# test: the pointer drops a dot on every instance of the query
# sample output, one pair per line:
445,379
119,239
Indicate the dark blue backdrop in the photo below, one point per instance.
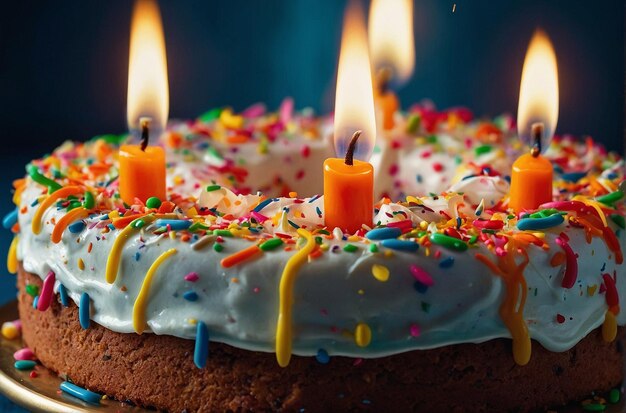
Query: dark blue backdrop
63,65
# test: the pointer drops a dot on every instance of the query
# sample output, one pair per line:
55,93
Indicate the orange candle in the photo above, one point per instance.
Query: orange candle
531,182
142,173
348,192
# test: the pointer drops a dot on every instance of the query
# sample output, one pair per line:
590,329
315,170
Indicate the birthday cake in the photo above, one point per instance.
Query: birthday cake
233,295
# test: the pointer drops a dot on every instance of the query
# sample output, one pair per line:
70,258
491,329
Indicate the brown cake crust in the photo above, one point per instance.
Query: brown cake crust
158,371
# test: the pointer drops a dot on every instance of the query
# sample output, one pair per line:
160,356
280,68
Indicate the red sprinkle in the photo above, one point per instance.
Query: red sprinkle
488,224
438,167
560,318
571,264
612,298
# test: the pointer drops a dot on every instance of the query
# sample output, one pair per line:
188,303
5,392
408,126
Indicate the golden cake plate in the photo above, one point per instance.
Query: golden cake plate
42,394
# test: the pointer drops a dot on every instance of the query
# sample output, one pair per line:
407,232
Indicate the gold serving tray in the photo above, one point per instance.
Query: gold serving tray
42,394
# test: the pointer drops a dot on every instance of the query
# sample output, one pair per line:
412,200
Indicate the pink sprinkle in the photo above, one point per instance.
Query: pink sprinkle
393,169
438,167
500,252
421,275
256,290
426,154
468,143
286,110
415,330
18,324
396,144
46,292
24,354
437,254
192,277
357,362
258,217
305,151
254,111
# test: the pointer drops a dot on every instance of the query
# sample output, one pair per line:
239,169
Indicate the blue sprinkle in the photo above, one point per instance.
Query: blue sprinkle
418,177
35,202
603,267
420,287
322,356
76,227
25,364
365,401
612,175
293,224
83,311
201,351
35,301
446,262
383,233
314,198
458,222
174,224
573,176
10,219
468,177
190,296
104,217
262,205
111,227
137,256
540,223
80,393
63,293
319,211
400,245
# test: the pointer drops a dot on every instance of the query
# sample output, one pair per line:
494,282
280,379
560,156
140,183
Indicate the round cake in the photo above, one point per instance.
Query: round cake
233,295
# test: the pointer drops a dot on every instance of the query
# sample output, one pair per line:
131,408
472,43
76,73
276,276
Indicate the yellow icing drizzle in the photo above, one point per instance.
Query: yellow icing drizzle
609,327
287,281
113,261
139,308
12,257
512,308
67,219
49,201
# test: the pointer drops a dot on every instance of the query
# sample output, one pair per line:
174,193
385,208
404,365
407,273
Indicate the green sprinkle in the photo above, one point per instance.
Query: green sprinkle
614,396
373,248
448,242
197,226
36,176
319,240
473,239
618,220
25,364
413,124
425,307
611,198
214,152
350,248
271,244
218,247
32,290
138,223
594,407
210,115
153,202
211,188
74,205
323,231
482,149
223,233
89,201
432,139
544,213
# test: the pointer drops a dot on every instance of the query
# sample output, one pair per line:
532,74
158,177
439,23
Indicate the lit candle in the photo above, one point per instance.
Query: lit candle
349,182
393,52
142,167
538,111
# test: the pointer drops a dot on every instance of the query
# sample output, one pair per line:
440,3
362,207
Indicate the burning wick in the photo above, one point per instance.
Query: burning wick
383,78
536,132
145,132
349,160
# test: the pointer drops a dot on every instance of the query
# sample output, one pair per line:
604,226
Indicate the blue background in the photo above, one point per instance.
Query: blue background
63,65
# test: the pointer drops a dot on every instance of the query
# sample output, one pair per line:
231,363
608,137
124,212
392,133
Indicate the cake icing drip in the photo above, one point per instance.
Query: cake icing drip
434,270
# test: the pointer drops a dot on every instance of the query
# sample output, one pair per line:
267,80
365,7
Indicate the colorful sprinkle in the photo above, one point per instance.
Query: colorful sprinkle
65,301
25,364
173,224
446,262
383,233
571,263
362,335
322,356
83,311
448,242
80,393
9,330
271,244
400,245
350,248
190,296
24,354
10,219
201,349
533,224
192,277
380,272
46,292
421,275
240,256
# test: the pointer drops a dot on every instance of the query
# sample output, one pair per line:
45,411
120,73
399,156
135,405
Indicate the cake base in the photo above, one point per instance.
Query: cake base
158,371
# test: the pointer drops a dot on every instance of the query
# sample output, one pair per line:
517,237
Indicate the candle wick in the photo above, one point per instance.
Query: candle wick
145,132
349,160
383,79
536,131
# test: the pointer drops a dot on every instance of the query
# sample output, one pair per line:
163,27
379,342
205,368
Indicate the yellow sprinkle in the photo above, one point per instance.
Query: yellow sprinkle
361,292
389,253
193,321
49,201
354,238
413,200
10,331
293,194
285,292
380,272
113,261
423,225
81,264
192,212
12,257
172,235
540,235
139,308
231,120
114,215
362,335
609,328
594,205
427,251
591,290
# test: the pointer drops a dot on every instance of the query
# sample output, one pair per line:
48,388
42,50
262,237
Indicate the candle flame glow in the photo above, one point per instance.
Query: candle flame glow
391,37
148,92
354,99
539,90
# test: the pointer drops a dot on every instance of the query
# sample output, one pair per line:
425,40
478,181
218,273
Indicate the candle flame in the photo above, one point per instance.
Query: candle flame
354,99
539,90
391,37
148,94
